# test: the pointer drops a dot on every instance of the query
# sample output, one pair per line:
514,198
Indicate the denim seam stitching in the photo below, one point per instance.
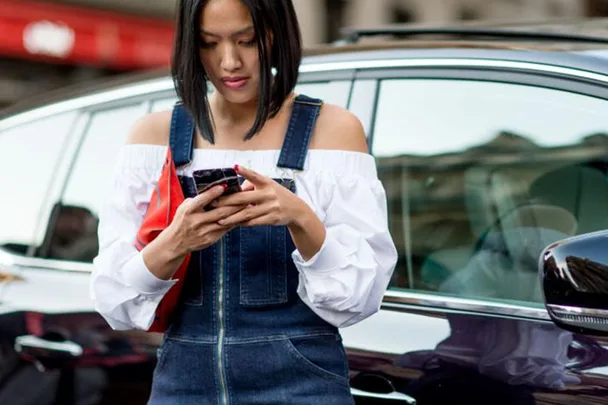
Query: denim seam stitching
273,338
321,372
312,117
285,157
173,132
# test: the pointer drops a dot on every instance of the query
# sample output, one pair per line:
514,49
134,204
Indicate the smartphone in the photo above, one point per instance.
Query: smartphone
208,178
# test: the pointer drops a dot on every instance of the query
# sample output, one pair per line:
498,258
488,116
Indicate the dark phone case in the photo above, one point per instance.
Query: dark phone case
207,178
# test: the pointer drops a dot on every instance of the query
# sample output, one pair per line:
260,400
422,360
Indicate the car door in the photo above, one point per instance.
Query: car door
485,161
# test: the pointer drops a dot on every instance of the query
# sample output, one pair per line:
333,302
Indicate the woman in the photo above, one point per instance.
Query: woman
277,268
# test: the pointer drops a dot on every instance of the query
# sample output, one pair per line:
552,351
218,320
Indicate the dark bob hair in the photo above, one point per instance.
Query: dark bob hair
276,17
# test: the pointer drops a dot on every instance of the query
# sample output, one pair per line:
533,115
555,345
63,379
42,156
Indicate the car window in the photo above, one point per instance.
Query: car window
481,176
332,92
362,102
72,230
29,154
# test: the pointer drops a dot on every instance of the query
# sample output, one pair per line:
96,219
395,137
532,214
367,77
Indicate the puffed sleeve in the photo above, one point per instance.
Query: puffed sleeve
345,281
123,290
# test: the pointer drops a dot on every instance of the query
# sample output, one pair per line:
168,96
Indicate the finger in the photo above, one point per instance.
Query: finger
242,198
203,199
220,213
247,186
255,178
215,228
246,214
267,219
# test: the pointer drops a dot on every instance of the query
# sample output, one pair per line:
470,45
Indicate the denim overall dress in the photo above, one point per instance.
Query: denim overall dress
242,335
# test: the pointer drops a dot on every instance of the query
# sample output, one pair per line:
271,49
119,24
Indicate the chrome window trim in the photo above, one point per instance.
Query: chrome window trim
577,311
406,299
11,260
128,91
166,84
457,62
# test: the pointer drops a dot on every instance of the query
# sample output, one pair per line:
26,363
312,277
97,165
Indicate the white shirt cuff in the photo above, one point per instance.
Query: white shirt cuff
327,258
138,276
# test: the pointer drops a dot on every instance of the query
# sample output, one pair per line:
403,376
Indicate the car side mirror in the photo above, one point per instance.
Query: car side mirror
574,278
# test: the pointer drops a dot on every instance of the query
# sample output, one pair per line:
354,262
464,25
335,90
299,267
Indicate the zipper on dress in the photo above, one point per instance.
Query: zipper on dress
220,343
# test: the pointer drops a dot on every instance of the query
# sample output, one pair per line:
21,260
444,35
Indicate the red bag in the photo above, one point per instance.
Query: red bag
163,203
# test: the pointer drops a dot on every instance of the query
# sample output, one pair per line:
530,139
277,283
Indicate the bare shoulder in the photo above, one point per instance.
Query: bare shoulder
338,129
152,129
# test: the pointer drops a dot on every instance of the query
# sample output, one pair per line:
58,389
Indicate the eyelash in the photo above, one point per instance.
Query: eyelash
208,45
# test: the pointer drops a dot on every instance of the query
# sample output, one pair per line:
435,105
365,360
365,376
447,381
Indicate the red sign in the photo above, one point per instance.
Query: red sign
80,36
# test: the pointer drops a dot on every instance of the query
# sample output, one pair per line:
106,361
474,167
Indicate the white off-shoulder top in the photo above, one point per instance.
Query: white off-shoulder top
343,283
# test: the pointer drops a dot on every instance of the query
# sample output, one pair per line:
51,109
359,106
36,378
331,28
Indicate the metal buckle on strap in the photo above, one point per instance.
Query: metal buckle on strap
288,176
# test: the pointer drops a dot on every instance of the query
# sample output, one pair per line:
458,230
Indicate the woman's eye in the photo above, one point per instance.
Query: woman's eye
205,44
250,42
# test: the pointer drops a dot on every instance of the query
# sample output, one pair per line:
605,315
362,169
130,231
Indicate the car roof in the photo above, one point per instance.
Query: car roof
575,43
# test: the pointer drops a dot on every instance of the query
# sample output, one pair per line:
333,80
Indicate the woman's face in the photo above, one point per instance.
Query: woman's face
229,52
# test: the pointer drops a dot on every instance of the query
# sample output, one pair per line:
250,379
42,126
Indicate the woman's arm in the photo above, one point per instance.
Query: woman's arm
339,129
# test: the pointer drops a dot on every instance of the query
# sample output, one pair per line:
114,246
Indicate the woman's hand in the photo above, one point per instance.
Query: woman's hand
263,202
193,228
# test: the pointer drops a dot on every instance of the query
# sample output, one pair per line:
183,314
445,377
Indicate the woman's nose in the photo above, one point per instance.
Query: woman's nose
231,60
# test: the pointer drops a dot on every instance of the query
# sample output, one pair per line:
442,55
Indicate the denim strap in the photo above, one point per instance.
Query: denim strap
181,138
301,126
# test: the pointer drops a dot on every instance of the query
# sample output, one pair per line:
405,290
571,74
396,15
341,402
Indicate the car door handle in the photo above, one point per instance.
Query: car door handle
391,396
47,350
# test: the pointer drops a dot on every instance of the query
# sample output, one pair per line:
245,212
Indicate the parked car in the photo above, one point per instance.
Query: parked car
492,145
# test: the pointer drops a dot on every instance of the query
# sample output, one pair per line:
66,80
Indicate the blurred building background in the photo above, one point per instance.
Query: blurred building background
45,44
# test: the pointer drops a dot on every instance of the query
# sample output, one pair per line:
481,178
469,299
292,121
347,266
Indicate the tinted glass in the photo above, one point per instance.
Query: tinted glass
73,230
29,154
481,176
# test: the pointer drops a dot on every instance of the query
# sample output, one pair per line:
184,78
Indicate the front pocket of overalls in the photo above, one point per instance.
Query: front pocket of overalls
263,272
321,355
264,256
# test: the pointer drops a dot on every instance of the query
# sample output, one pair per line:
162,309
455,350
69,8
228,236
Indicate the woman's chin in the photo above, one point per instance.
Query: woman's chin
234,97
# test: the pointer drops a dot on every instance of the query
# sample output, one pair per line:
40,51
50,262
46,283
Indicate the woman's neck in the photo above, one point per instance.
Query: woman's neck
233,114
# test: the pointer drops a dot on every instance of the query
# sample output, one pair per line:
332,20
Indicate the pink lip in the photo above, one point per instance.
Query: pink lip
234,82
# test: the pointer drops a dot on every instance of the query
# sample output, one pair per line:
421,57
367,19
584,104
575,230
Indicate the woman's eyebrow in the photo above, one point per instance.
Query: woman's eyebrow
242,31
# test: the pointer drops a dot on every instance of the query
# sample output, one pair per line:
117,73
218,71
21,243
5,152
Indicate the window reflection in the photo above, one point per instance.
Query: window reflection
72,235
91,176
72,229
481,176
29,154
